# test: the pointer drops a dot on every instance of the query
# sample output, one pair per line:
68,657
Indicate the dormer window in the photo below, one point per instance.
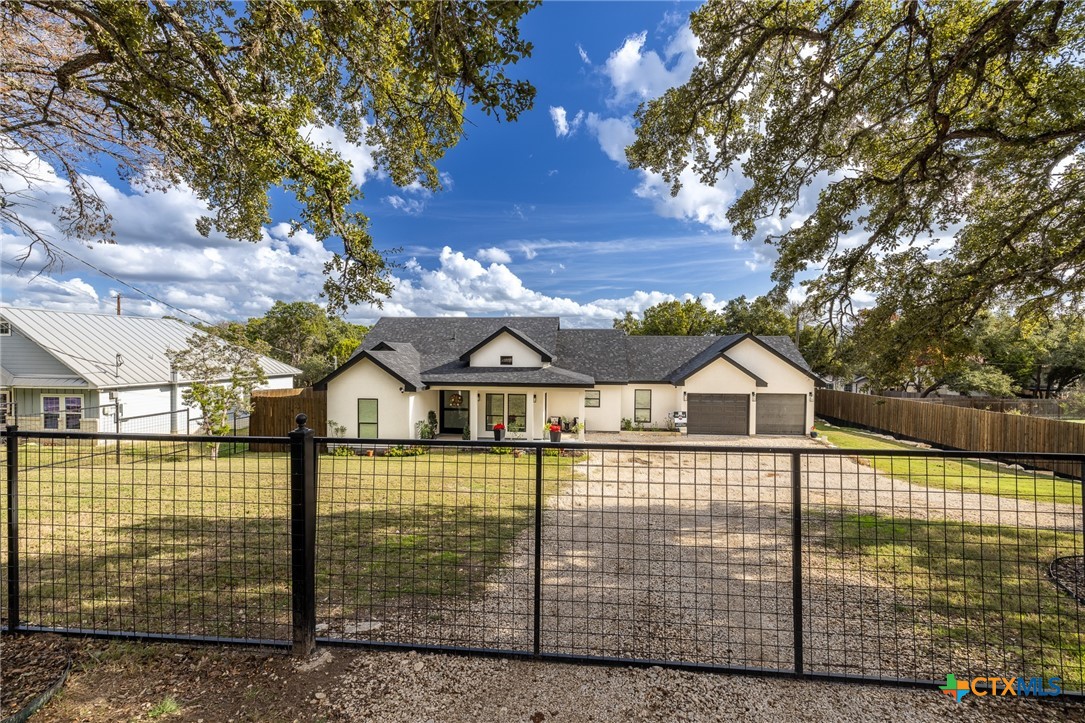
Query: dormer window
506,361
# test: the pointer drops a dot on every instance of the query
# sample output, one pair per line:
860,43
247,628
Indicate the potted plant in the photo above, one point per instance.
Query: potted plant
499,432
555,433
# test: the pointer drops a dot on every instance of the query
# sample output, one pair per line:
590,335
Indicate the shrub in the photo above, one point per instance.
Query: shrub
627,424
404,451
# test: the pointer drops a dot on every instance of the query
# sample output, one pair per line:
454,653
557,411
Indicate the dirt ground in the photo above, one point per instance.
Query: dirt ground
113,682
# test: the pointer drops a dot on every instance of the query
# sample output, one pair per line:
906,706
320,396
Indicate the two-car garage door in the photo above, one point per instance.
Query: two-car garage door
781,413
718,414
730,414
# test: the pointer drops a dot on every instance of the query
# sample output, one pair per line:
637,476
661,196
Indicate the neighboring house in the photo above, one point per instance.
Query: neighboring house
523,371
72,371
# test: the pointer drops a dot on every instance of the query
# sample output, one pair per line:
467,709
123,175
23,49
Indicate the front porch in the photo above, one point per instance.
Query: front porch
525,413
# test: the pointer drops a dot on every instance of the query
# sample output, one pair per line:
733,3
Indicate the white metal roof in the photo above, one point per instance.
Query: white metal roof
113,351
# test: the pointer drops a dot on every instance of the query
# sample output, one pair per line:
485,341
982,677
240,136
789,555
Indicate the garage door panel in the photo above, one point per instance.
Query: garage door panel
717,414
781,413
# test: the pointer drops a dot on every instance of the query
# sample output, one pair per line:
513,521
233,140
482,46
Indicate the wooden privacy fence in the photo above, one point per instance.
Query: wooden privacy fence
1031,407
274,410
956,427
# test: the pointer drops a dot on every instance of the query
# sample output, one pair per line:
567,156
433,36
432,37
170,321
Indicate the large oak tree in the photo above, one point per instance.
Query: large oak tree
920,121
222,97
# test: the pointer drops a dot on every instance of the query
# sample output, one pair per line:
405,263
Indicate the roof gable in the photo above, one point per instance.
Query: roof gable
515,334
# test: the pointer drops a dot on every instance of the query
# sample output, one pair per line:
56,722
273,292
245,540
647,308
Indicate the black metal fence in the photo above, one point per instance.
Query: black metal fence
892,566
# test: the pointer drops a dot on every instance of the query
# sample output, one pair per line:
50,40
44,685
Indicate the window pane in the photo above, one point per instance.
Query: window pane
73,404
517,412
642,405
495,409
50,404
367,411
367,431
591,398
71,421
51,421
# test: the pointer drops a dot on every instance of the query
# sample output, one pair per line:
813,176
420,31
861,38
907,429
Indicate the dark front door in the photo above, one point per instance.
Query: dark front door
455,412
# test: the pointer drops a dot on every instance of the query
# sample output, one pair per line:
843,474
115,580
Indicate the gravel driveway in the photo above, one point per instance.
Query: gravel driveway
667,555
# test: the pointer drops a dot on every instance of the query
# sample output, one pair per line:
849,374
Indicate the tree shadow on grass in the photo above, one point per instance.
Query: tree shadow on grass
978,591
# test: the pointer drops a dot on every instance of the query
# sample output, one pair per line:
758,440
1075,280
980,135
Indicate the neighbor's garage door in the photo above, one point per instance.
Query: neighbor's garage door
718,414
781,413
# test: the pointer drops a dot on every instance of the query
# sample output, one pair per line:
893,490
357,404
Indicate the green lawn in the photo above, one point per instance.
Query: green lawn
955,474
982,588
169,540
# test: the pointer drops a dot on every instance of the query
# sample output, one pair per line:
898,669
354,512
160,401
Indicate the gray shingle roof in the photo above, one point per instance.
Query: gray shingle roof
429,351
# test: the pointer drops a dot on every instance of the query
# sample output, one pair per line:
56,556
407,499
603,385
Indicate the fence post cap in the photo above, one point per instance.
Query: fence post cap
301,419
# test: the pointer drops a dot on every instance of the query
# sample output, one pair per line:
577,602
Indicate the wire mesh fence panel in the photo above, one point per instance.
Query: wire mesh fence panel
919,566
680,556
162,538
418,544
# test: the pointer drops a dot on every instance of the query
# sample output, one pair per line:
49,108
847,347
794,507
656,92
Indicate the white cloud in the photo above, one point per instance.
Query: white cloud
360,156
639,75
462,286
409,206
583,54
494,255
613,134
528,252
561,125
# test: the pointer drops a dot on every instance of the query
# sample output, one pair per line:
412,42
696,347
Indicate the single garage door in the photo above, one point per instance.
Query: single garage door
781,414
718,414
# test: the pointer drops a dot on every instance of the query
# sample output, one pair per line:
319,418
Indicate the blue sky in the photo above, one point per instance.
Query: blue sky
540,216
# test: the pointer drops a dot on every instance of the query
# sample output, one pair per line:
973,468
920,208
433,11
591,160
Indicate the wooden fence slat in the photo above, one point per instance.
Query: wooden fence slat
956,426
274,411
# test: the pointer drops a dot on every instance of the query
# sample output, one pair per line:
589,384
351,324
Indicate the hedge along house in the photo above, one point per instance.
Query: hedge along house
74,371
523,371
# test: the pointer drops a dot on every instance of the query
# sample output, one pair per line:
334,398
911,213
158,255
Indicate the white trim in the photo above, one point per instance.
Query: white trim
63,412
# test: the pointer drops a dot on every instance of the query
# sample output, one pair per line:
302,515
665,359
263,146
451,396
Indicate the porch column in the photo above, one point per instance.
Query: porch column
580,417
473,404
530,429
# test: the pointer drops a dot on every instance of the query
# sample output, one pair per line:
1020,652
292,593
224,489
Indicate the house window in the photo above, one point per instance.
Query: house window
367,419
506,361
517,412
591,398
495,409
61,411
3,407
5,328
642,406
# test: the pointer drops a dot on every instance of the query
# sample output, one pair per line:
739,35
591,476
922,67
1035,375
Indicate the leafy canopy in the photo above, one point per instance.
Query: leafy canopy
223,97
919,120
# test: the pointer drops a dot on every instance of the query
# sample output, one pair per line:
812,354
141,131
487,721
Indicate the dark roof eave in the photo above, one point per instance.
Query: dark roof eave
408,386
430,383
758,381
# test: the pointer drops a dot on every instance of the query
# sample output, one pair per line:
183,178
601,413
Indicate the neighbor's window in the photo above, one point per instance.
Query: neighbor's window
495,410
591,398
642,406
367,418
54,408
3,407
5,328
506,361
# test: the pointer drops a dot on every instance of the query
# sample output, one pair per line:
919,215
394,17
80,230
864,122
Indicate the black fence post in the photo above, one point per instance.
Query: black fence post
537,626
303,537
796,557
13,527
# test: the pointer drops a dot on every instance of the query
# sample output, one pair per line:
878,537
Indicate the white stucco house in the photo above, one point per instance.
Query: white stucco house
522,371
72,371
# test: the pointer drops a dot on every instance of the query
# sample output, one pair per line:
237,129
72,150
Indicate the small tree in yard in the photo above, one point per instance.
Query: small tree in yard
221,378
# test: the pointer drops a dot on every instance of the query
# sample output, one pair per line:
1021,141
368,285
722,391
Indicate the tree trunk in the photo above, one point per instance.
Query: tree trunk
926,392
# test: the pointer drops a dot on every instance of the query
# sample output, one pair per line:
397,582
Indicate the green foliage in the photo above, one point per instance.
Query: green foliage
671,318
405,451
1073,404
299,333
165,707
224,98
500,450
912,119
466,433
426,429
220,379
342,450
627,424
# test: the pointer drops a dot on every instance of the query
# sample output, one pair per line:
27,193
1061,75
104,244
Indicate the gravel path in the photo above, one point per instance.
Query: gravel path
687,556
